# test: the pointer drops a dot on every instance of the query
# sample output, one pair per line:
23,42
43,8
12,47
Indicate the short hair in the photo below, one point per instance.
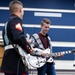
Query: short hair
45,20
14,5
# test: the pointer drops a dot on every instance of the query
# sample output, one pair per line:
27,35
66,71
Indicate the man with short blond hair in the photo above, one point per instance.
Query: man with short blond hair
13,35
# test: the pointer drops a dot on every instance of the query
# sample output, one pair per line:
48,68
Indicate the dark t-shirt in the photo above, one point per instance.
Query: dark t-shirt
44,40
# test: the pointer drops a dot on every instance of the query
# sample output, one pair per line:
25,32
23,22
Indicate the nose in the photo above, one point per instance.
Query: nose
47,28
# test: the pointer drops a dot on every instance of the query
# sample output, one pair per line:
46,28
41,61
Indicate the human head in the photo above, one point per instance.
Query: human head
16,7
45,25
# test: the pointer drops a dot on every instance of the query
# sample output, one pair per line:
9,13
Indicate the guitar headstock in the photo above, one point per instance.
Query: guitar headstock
28,38
73,51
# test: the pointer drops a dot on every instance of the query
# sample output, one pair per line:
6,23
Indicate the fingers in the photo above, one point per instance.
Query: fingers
60,54
44,54
28,40
27,35
31,51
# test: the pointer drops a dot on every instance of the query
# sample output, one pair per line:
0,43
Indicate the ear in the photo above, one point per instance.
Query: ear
20,10
41,26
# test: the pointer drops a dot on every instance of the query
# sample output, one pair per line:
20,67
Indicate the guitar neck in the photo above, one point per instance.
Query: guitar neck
65,52
58,53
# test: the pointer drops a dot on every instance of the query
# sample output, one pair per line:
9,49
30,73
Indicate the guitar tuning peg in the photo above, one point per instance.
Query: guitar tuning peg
27,35
73,50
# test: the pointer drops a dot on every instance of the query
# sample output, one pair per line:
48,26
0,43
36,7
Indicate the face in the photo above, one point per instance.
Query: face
22,12
45,28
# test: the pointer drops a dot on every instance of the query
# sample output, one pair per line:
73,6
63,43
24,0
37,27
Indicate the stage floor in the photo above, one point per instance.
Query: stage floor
58,72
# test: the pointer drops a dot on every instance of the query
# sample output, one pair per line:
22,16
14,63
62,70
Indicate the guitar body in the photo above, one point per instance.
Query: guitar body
34,61
38,61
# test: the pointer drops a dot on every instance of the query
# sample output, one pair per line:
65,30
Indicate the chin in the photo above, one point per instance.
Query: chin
45,32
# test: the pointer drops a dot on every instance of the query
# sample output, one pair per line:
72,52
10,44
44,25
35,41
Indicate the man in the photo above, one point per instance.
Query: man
13,35
42,41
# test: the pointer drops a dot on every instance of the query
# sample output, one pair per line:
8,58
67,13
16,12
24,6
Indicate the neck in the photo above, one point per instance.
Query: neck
17,14
42,33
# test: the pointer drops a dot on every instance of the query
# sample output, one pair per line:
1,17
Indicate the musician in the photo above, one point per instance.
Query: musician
42,41
13,35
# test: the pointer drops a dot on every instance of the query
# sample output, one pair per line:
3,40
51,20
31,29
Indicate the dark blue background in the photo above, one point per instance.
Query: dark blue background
67,19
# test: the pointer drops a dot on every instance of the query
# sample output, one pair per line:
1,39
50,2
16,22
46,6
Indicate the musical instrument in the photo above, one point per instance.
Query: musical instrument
39,61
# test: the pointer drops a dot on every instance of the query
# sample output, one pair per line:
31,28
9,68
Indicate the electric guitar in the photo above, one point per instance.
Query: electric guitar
39,61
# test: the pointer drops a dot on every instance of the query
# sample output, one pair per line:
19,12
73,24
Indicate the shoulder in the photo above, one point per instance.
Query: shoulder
48,37
13,20
35,34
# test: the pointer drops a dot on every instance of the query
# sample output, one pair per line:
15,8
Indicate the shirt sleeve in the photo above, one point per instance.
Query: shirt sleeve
34,45
18,35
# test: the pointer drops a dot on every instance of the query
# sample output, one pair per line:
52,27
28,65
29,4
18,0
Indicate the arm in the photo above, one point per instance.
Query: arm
17,35
35,45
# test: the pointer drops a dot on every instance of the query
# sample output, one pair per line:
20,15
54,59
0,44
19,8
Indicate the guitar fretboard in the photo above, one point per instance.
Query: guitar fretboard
59,53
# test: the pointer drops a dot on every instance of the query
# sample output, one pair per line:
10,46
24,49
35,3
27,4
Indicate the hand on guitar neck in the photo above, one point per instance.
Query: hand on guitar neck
44,54
59,54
